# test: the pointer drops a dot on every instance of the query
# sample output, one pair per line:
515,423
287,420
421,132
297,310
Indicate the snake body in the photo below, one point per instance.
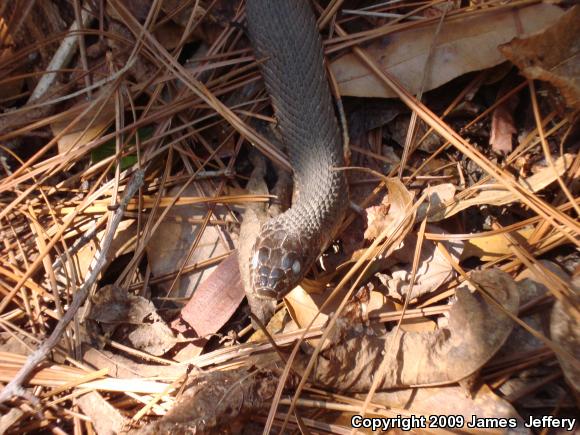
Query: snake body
285,39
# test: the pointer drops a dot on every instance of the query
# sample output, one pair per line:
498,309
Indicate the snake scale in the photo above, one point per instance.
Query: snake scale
285,39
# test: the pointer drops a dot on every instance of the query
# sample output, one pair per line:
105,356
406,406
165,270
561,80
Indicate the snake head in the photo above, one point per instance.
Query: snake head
278,263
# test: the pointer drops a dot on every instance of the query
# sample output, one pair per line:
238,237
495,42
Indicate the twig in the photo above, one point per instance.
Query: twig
15,387
61,58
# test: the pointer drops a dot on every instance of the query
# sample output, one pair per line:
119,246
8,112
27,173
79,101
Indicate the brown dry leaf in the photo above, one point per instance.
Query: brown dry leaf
392,209
498,196
253,218
120,245
8,343
453,400
278,322
463,45
169,35
90,127
119,366
10,418
502,126
433,270
400,126
303,306
218,402
185,14
565,330
155,338
212,304
552,55
436,197
171,243
530,289
105,418
491,247
418,325
113,307
476,331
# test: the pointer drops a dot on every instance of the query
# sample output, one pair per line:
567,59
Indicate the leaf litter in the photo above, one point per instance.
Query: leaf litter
432,300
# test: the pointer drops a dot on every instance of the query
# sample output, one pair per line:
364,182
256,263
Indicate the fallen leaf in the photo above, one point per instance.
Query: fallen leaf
218,402
530,289
437,196
366,115
155,338
278,322
303,306
450,401
400,126
254,216
499,196
169,247
106,419
502,126
119,366
552,56
185,14
463,45
10,344
212,304
119,246
88,128
433,269
112,308
565,330
391,210
491,247
476,331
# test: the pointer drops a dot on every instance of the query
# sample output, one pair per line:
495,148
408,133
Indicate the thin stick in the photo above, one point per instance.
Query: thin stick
15,387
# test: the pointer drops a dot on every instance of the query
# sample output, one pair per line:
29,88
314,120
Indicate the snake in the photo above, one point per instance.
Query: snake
286,42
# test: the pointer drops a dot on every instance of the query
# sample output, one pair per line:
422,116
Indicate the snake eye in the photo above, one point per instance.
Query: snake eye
296,267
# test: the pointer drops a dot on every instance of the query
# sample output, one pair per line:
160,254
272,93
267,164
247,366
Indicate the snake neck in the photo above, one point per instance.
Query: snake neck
287,43
321,199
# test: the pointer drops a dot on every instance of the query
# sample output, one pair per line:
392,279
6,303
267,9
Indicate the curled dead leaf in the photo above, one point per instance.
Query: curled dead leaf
463,45
433,269
565,330
170,245
552,55
451,400
218,400
112,307
105,417
477,329
494,195
503,126
391,211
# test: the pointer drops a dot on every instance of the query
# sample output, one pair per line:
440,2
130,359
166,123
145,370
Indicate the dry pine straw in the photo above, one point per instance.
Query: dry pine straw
40,217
